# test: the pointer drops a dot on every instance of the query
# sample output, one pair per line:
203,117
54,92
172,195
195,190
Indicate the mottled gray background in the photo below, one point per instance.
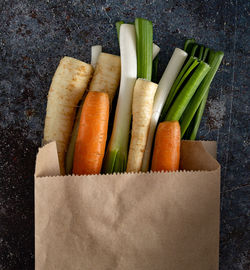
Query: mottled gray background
34,35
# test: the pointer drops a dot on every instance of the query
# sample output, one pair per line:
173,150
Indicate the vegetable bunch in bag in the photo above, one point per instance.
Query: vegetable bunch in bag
150,117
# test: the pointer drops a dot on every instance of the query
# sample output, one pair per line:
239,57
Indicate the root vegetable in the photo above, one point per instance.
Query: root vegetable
143,99
166,156
107,75
68,85
92,134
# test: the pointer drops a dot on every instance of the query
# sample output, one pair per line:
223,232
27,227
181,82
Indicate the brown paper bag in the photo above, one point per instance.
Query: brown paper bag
147,221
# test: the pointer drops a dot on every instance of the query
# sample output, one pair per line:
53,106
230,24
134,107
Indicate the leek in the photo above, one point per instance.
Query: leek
144,48
214,61
156,48
197,118
176,110
179,82
116,155
188,45
204,57
201,53
194,49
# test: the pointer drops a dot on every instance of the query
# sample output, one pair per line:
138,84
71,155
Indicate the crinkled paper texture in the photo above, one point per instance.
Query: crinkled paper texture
147,221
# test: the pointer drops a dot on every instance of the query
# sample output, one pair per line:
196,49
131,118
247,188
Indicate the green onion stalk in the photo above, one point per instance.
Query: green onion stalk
144,48
200,97
187,98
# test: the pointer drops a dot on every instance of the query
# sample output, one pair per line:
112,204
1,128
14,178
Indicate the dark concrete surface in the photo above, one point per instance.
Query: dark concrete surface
35,34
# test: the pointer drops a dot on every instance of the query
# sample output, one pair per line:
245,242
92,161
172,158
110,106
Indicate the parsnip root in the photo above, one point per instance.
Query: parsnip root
107,75
68,85
143,98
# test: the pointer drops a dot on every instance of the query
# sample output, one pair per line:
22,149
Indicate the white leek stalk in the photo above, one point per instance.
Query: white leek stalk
116,155
156,48
173,68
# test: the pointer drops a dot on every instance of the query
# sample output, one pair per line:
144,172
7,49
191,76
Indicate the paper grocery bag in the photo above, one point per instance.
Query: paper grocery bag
145,221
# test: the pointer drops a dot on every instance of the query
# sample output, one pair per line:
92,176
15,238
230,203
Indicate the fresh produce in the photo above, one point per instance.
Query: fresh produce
182,100
106,79
166,156
175,105
197,119
144,48
155,69
168,77
71,148
117,151
143,98
214,61
68,85
156,48
178,83
95,52
107,75
187,98
118,26
92,134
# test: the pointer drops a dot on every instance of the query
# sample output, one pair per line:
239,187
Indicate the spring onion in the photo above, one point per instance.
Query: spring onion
204,57
197,119
184,97
214,61
188,45
194,50
179,82
201,53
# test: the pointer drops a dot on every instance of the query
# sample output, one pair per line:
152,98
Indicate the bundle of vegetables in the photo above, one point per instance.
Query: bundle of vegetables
188,95
185,102
175,104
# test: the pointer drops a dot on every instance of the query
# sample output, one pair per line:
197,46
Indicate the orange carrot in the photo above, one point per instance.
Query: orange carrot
166,156
92,134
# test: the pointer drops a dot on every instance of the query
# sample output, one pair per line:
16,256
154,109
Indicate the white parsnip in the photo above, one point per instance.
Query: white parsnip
68,85
143,99
107,75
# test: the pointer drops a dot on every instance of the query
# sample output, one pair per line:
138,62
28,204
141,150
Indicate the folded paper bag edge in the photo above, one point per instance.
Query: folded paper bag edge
210,147
198,156
47,163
